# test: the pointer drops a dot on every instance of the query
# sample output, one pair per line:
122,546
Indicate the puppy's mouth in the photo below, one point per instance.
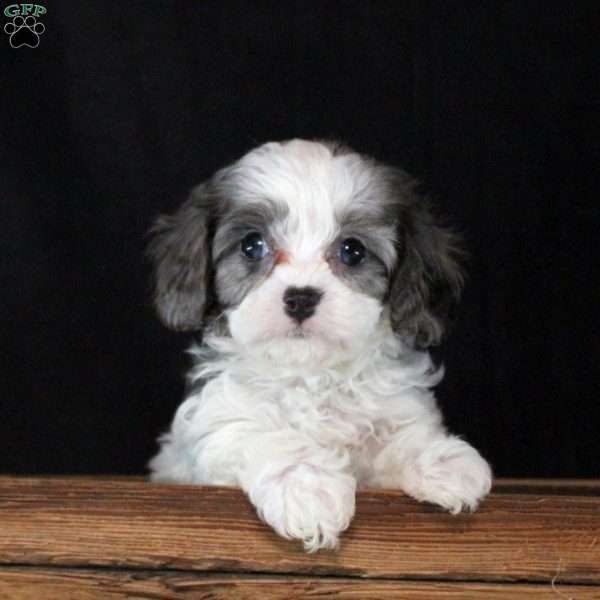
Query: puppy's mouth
299,332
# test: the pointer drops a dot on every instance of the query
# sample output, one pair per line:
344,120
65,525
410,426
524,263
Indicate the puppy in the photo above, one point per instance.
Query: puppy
318,278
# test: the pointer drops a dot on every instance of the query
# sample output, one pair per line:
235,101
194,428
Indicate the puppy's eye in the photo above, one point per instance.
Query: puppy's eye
352,252
254,246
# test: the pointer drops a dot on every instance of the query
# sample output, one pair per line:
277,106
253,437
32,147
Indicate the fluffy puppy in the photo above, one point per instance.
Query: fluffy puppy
318,278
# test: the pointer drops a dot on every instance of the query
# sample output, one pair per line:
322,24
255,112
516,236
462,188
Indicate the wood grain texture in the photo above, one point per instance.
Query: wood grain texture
23,584
560,487
132,524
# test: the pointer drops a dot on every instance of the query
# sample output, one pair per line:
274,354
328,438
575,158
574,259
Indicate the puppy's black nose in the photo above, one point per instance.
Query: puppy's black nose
300,303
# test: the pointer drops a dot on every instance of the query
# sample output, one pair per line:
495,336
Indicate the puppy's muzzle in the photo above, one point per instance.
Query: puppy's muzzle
300,303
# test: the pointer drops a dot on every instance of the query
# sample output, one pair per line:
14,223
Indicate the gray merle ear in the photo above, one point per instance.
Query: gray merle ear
180,251
429,278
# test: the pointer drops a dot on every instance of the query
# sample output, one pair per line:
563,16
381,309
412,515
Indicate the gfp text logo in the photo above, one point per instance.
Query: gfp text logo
24,29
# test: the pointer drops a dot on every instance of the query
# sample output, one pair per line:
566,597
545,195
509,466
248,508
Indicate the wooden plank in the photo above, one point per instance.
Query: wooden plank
88,522
564,487
84,584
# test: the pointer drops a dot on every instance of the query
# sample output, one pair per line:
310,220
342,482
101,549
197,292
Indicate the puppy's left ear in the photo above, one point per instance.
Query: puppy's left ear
429,278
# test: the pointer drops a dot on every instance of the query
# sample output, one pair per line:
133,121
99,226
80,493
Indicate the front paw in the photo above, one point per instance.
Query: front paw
450,473
306,503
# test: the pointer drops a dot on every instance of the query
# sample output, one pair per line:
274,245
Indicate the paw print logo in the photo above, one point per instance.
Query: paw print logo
24,31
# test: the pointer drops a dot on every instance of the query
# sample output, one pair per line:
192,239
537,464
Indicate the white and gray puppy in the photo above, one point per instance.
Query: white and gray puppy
319,278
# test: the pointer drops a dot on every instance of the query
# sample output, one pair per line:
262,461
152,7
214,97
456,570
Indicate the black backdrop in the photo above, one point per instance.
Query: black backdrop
125,105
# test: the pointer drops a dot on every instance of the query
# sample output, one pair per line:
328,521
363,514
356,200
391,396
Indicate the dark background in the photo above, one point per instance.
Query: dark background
125,105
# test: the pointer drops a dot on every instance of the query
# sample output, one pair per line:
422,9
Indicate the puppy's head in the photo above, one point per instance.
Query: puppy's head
303,248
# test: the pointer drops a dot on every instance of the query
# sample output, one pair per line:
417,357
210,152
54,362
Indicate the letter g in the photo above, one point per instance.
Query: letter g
12,10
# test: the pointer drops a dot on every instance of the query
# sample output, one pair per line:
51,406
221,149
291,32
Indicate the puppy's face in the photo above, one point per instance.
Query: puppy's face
300,246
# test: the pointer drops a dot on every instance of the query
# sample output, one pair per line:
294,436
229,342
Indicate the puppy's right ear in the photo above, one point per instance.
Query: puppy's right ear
180,251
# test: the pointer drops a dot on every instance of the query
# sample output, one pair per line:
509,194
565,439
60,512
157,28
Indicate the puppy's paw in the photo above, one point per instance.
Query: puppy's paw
306,503
450,473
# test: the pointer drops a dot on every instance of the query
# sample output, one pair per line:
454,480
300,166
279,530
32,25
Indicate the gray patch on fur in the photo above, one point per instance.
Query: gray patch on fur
180,250
371,276
429,277
235,275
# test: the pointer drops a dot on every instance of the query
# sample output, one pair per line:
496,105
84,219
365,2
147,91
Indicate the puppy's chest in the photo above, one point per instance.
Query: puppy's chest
328,413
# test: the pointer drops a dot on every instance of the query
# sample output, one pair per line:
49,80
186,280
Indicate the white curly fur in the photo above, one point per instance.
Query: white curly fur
300,440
